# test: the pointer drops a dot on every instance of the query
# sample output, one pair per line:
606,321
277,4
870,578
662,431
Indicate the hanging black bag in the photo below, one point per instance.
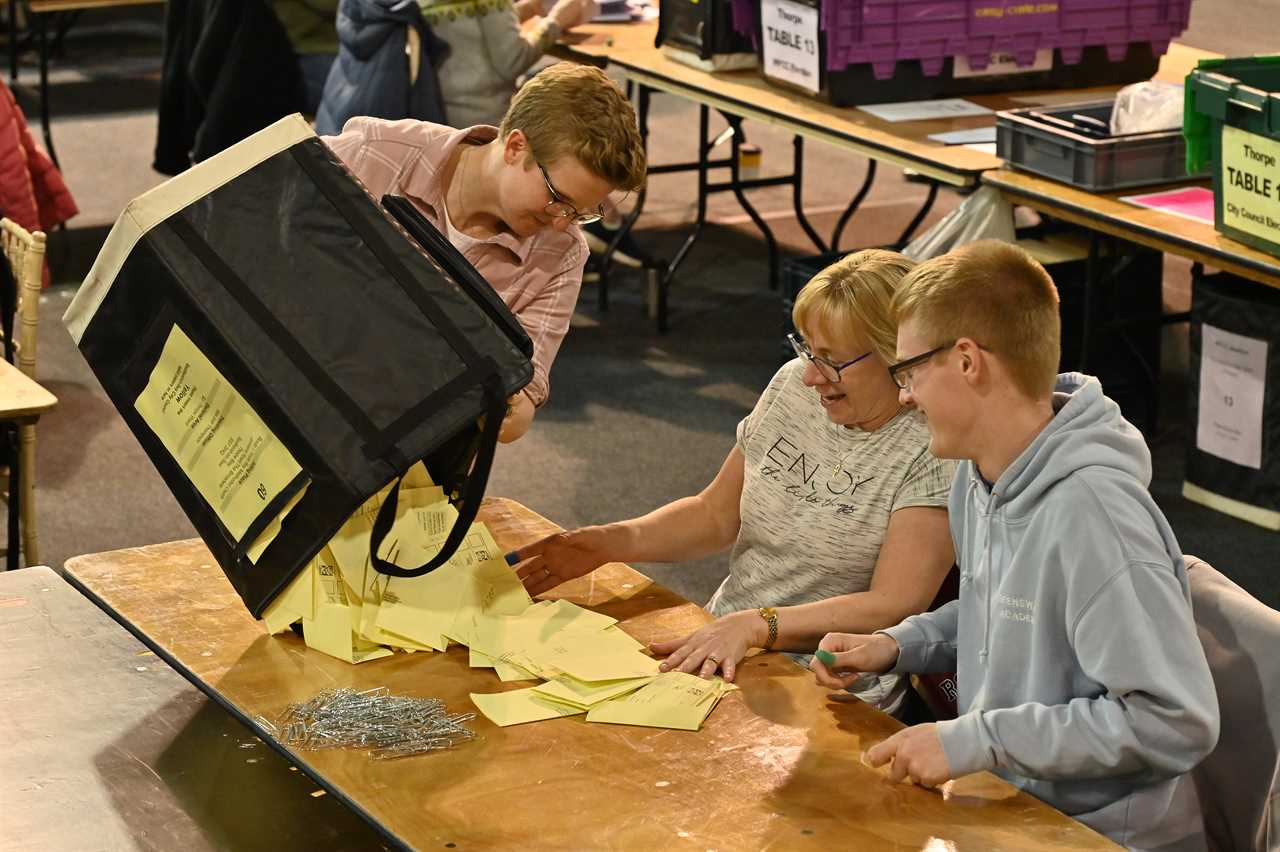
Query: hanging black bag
283,348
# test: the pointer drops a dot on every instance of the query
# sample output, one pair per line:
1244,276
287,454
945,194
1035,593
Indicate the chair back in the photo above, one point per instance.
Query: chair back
1237,782
24,252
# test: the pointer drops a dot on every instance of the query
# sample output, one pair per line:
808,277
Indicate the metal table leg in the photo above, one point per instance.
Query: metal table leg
11,436
854,204
921,213
41,29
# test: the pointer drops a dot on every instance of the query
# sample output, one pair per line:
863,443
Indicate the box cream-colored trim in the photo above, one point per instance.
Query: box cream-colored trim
154,206
1268,518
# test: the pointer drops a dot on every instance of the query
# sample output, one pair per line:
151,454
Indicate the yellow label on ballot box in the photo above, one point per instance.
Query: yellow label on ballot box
1250,183
221,444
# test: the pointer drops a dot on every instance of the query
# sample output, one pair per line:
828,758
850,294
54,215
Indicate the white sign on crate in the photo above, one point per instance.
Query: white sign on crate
1233,383
790,32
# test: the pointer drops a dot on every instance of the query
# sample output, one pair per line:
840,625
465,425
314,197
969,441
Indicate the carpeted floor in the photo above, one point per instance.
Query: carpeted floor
636,418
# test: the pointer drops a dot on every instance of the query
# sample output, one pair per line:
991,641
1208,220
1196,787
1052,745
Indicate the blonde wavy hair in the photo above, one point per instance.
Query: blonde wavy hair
855,295
570,110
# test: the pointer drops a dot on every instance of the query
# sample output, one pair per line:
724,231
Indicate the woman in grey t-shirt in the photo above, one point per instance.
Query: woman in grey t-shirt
830,500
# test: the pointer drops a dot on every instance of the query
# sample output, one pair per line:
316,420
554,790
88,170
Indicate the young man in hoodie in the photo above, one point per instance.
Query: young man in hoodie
1081,677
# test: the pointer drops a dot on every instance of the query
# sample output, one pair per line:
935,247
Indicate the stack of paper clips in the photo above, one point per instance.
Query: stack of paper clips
388,725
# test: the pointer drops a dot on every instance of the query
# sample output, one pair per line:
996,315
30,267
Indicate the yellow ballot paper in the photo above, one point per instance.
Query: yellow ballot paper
331,631
296,602
671,700
576,693
221,444
272,530
420,527
520,706
586,655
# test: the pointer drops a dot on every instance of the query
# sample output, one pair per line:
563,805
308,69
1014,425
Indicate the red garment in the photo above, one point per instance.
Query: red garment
32,192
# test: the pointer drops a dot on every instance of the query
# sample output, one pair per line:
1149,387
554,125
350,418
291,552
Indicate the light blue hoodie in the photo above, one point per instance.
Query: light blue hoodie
1081,678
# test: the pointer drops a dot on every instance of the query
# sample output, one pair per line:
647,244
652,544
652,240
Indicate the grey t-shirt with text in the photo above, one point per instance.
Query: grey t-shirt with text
809,533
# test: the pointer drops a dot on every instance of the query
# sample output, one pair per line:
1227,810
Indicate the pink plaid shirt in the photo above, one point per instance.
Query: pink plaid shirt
538,277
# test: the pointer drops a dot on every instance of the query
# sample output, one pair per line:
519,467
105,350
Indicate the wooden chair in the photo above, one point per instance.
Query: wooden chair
24,252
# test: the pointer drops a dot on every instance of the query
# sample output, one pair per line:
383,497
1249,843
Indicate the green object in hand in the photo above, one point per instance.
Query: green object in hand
828,659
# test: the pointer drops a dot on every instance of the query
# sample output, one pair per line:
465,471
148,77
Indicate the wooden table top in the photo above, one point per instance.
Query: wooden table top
747,94
21,396
775,765
42,6
1156,229
103,746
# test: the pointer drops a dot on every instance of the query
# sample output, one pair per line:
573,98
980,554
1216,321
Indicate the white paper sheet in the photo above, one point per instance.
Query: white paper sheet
790,34
972,136
1233,370
925,110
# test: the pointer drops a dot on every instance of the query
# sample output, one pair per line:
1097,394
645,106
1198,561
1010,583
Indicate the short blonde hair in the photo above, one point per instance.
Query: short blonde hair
569,110
855,295
999,296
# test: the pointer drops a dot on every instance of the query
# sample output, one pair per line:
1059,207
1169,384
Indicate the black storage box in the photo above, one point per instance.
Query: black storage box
856,85
1233,450
1039,140
282,349
703,27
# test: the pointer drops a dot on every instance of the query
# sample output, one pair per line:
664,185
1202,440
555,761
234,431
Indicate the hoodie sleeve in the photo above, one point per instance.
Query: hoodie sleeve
927,642
1156,715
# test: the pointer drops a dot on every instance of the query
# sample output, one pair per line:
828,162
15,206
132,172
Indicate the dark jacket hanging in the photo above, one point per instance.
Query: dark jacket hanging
228,71
371,73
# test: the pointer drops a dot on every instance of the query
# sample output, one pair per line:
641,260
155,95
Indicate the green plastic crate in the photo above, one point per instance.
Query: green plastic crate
1231,123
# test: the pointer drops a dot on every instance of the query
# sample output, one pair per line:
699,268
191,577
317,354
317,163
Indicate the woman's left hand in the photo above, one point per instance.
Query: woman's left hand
720,645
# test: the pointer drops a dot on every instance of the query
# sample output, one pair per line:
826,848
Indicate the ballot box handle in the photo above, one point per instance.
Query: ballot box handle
468,505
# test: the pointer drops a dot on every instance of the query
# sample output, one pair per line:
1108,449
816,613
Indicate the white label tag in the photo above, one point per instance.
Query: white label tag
790,32
1233,380
1250,181
1003,63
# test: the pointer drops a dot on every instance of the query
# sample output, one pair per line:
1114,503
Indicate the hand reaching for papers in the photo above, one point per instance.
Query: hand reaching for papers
720,645
855,654
917,755
561,557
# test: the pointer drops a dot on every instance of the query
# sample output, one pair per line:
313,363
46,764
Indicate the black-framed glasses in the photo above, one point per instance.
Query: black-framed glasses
901,372
562,209
828,369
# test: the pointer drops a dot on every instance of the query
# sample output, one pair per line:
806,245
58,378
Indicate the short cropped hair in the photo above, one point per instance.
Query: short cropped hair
996,294
854,295
570,110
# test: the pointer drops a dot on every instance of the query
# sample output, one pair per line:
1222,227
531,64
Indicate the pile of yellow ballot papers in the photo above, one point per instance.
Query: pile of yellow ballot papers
590,666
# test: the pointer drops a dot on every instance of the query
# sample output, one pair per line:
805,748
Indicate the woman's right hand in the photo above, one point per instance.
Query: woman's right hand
856,654
561,557
570,13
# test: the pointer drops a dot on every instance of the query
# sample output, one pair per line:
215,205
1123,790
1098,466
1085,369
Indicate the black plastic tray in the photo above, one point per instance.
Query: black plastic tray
1057,143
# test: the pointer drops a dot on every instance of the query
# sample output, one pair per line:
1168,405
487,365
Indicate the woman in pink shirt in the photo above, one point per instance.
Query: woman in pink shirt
510,198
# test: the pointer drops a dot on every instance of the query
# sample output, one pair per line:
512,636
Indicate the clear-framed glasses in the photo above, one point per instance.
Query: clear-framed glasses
903,372
828,369
562,209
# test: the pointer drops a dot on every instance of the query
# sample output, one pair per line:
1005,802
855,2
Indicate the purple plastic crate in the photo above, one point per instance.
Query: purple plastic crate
884,32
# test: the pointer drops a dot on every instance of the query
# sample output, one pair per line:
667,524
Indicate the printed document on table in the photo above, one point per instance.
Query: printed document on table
231,457
925,110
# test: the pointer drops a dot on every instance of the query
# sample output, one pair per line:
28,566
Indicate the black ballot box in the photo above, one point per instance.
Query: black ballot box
282,347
